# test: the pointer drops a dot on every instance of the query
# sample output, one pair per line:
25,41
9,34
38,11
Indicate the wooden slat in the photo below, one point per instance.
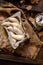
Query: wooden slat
16,59
12,58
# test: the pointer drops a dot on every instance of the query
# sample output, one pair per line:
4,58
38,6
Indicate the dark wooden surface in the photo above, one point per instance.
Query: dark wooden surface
10,59
13,63
14,59
37,7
